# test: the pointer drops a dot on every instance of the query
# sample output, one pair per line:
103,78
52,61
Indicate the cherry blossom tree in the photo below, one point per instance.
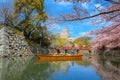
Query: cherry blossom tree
109,36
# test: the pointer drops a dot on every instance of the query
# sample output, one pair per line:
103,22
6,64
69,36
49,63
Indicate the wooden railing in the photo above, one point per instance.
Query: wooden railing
84,48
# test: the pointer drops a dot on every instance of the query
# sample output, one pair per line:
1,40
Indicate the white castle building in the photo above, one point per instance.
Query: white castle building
64,33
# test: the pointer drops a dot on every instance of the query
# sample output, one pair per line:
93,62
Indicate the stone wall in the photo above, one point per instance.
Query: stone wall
13,44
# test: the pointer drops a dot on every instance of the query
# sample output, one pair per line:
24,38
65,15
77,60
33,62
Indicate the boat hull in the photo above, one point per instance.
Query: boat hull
59,57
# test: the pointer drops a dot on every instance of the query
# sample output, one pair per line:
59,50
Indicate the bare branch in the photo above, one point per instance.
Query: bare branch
76,19
112,1
5,13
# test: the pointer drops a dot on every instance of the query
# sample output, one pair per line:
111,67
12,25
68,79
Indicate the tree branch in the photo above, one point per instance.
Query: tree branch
112,1
76,19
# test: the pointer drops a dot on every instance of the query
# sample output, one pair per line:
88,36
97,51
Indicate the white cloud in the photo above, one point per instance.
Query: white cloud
63,3
79,34
82,33
99,6
85,5
54,27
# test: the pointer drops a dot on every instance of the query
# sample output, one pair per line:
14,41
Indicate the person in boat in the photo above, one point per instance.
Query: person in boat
73,51
58,51
66,51
89,51
77,50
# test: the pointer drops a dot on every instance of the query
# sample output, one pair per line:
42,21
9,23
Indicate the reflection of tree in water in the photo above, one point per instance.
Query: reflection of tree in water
84,62
59,65
24,69
65,67
54,66
116,62
36,71
27,69
107,67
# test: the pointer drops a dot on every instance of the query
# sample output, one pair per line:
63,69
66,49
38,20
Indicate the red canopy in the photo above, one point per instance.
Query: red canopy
76,46
67,46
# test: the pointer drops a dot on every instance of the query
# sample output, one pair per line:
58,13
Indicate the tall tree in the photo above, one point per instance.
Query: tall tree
5,13
31,17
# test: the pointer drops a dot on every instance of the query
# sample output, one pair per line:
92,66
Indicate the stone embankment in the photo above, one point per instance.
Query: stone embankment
13,44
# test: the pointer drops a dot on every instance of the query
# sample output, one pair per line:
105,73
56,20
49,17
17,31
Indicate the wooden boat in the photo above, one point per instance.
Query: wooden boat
59,57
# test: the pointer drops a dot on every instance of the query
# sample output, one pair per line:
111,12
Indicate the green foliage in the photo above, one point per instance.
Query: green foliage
1,27
31,17
83,41
57,41
15,30
62,41
33,45
79,42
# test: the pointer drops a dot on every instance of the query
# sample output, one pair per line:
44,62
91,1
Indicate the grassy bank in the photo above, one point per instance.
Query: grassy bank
1,27
13,29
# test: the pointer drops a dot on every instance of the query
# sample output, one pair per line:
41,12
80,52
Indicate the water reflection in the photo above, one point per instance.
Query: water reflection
107,67
13,68
30,68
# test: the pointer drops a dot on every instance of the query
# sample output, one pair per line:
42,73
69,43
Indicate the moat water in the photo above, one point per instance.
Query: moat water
31,68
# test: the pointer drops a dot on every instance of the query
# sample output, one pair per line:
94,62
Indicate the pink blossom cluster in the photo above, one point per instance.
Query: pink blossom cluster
107,38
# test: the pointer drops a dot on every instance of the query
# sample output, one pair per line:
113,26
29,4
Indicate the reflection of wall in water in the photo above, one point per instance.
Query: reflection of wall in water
13,68
108,69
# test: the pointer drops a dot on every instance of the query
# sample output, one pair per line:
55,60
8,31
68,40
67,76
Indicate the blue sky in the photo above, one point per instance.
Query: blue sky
6,2
76,29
